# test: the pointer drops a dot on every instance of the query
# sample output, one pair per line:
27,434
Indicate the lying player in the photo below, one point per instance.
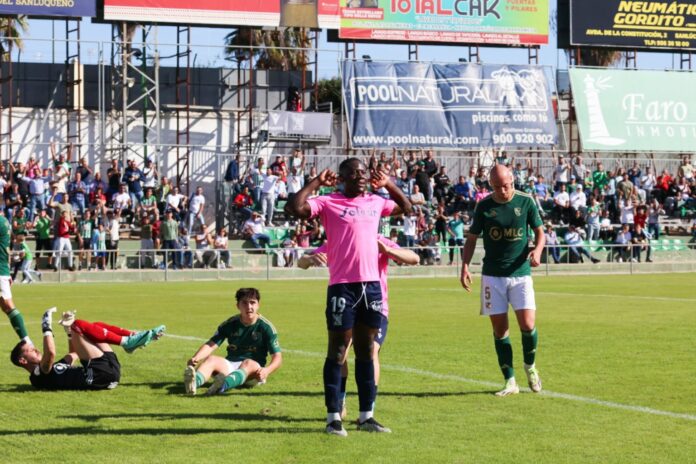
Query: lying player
387,250
250,338
88,342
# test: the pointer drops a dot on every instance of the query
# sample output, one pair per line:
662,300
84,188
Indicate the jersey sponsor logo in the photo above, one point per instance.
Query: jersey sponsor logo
490,214
60,368
510,234
376,306
358,212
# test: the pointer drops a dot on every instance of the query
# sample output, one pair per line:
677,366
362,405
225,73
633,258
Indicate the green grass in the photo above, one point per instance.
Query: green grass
618,339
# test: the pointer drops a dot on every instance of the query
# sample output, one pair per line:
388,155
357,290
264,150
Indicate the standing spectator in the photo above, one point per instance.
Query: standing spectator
463,194
13,201
456,230
606,229
422,182
133,177
442,183
579,170
279,168
113,229
61,166
150,175
561,174
552,243
98,246
295,182
184,248
147,244
85,227
648,182
429,164
60,208
161,193
169,234
37,199
417,197
628,212
113,178
19,223
257,180
76,191
600,179
654,212
268,197
203,243
593,218
84,170
25,260
196,211
298,162
410,231
686,170
42,225
232,171
520,176
441,225
62,243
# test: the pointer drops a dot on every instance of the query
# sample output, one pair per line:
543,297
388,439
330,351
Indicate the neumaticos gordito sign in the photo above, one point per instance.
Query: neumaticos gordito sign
634,24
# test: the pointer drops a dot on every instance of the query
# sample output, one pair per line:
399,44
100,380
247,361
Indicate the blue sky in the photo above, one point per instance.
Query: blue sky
208,51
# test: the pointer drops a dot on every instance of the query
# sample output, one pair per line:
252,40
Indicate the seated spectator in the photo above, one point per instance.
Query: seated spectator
578,199
77,191
552,244
578,220
61,206
161,193
627,212
576,248
121,204
148,205
606,229
641,243
244,202
204,254
13,202
622,252
176,202
295,182
184,248
417,197
428,249
255,232
481,192
220,243
289,246
561,204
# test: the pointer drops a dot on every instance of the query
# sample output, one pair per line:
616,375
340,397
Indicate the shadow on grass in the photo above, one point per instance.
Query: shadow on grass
353,392
186,415
16,388
156,431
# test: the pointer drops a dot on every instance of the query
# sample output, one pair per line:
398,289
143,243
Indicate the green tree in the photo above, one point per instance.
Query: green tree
329,91
279,49
11,30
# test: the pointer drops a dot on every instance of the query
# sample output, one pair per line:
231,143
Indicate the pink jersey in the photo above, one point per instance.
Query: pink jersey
382,264
351,226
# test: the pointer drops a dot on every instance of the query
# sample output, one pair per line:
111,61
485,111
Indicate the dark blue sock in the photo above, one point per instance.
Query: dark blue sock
365,378
343,388
332,386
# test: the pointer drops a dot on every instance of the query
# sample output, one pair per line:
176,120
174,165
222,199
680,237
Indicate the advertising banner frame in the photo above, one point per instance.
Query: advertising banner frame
81,9
654,39
610,122
511,139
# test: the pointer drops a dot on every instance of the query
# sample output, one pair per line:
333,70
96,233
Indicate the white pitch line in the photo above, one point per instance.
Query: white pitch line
602,295
457,378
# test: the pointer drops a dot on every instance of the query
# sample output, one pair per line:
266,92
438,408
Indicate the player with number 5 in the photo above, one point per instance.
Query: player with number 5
504,219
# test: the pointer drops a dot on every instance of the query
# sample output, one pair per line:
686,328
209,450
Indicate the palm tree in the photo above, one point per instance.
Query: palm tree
600,57
279,48
11,30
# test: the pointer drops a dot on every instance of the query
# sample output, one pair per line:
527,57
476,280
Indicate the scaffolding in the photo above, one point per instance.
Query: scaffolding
6,95
183,107
73,83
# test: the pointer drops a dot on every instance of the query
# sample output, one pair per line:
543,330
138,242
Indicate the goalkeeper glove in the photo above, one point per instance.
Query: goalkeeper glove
47,320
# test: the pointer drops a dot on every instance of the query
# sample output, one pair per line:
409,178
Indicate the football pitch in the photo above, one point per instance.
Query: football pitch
616,355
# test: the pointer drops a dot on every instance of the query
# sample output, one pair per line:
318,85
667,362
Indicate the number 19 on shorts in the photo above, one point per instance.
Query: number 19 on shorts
338,305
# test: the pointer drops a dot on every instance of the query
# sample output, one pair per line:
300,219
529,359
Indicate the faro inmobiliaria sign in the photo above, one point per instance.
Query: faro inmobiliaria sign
462,105
624,110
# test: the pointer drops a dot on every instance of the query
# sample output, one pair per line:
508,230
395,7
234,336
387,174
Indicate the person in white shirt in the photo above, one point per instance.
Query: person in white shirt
628,212
196,210
175,202
561,173
578,199
561,204
149,175
576,248
410,224
623,238
295,182
253,230
268,196
121,203
580,171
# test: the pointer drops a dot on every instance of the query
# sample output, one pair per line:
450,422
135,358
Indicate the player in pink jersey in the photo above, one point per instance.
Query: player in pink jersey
354,297
387,250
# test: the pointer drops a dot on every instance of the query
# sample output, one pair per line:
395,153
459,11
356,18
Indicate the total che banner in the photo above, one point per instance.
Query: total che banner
624,110
634,24
263,13
50,8
458,106
500,22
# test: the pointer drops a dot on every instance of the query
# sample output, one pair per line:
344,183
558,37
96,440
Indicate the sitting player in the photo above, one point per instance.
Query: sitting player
88,342
250,337
387,250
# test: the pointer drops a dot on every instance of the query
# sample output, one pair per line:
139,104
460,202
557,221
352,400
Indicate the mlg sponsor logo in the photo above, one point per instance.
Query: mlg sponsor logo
505,90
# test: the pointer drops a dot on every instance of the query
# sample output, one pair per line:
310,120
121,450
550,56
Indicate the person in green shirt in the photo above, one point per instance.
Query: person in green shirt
25,259
42,224
504,219
455,228
600,178
250,339
6,302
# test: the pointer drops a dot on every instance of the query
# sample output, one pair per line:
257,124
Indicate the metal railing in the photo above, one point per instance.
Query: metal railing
281,263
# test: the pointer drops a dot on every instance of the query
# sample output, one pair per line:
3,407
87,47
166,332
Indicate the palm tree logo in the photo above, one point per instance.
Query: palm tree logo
599,132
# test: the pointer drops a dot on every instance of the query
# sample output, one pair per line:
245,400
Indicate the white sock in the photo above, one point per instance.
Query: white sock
528,366
333,416
365,415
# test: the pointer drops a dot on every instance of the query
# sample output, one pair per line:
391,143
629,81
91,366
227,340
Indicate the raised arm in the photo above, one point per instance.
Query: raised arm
381,179
297,206
49,345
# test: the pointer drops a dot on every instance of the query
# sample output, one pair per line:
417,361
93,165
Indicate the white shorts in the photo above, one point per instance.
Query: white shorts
499,292
5,283
234,365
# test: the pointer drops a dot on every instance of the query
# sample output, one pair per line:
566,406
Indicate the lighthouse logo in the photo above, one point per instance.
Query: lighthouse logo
599,132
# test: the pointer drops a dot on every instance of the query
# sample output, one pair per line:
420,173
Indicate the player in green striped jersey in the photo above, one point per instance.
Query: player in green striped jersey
504,219
6,303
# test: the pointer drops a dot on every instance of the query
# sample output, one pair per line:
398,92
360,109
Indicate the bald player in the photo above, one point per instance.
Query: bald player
504,219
